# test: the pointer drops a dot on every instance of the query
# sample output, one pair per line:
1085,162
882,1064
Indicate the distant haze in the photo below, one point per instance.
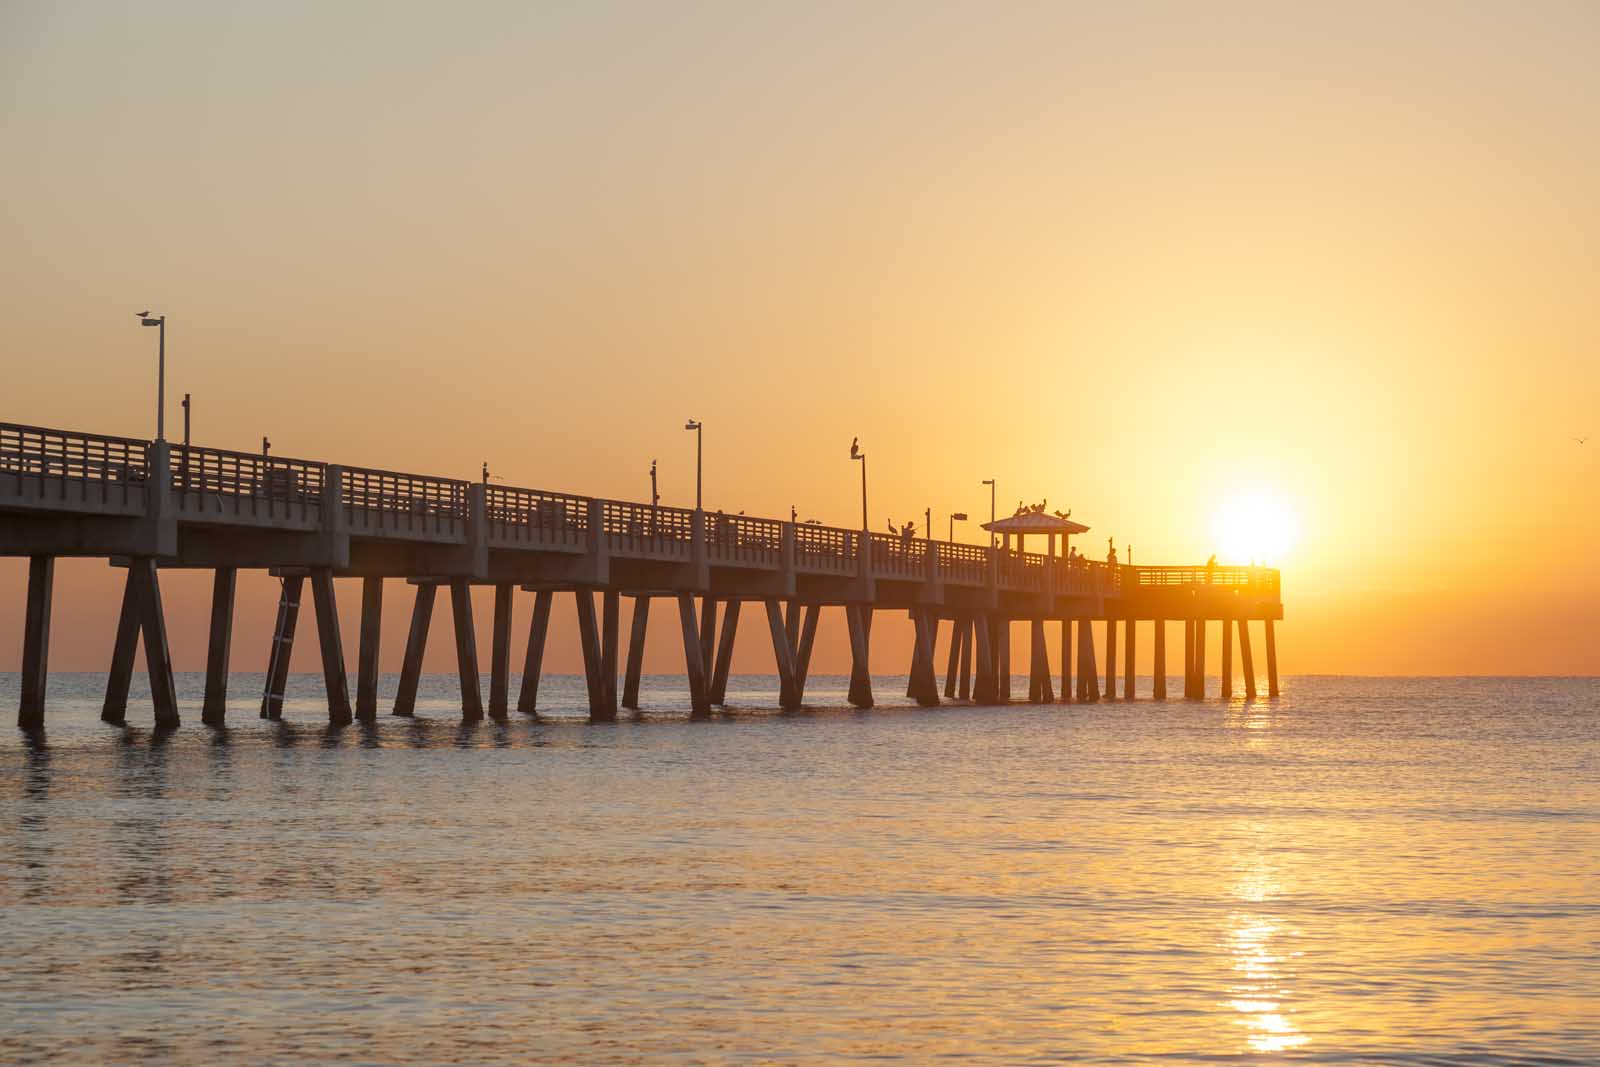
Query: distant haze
1133,258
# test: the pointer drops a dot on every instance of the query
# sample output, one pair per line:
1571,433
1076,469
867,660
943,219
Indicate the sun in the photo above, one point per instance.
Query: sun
1254,525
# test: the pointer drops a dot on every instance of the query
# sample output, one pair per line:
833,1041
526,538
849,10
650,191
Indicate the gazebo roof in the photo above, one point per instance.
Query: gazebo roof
1035,522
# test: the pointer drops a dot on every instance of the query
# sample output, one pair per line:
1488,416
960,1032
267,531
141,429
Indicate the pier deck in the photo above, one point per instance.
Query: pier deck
154,505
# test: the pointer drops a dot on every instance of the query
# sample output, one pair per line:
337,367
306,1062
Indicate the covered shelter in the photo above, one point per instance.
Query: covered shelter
1036,520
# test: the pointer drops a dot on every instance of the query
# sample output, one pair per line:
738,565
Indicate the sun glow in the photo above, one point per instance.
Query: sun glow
1254,525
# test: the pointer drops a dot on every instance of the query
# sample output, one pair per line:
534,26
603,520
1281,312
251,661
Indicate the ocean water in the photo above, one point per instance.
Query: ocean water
1363,871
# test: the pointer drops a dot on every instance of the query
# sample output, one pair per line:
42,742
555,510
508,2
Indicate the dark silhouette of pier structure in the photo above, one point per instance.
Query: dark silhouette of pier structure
148,506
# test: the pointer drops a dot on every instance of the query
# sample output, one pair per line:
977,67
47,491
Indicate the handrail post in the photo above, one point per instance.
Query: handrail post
697,549
599,545
160,514
786,558
335,518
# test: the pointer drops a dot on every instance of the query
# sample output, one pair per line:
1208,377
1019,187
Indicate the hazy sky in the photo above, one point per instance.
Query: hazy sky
1133,258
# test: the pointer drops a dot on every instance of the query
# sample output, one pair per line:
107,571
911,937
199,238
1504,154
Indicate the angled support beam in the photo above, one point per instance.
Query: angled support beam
214,709
1188,659
924,679
610,609
36,642
983,680
367,651
500,652
157,654
1200,659
1111,658
528,695
953,660
282,646
719,676
636,633
802,655
115,709
858,618
333,676
1039,664
466,650
783,654
589,642
1227,660
1002,649
1272,660
1132,628
1088,670
1159,669
708,633
694,659
405,697
1246,660
964,688
1066,661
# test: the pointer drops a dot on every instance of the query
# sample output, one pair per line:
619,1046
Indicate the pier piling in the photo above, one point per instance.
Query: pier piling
367,649
405,697
36,642
533,664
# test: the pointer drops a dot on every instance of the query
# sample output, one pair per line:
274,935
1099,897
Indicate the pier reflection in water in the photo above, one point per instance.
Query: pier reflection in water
1363,870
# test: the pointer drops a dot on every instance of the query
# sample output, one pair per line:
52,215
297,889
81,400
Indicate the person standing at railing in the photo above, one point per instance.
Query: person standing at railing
1211,567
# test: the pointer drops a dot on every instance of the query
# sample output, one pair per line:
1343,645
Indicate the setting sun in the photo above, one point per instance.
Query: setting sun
1254,526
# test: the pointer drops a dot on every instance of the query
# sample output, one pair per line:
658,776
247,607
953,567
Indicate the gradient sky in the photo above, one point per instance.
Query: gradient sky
1133,259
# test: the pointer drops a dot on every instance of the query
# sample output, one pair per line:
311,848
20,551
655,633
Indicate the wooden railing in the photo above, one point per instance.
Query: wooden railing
217,482
120,465
642,529
380,503
533,517
895,556
1261,579
963,564
742,539
826,548
216,470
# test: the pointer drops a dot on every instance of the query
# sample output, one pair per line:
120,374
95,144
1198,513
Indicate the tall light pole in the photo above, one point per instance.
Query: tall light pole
927,525
696,426
856,453
990,483
159,321
955,517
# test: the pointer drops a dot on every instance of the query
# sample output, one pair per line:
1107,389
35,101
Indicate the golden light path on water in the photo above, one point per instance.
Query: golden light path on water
1365,871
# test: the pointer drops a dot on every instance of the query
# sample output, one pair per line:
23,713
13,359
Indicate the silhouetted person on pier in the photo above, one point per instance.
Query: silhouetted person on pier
1111,553
1211,567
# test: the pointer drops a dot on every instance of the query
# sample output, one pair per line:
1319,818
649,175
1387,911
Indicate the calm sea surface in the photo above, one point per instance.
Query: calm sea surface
1364,871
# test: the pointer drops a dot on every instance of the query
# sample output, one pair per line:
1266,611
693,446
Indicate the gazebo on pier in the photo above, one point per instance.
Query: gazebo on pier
1035,521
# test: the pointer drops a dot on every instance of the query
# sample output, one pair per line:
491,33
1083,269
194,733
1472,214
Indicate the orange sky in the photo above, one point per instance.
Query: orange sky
1133,260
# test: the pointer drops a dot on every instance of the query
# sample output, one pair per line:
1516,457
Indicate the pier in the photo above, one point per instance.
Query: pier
147,506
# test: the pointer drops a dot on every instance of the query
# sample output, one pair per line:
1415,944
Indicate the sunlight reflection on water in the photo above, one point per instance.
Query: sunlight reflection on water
1364,871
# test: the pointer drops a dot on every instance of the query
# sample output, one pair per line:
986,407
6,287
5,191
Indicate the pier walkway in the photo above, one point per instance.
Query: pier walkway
150,505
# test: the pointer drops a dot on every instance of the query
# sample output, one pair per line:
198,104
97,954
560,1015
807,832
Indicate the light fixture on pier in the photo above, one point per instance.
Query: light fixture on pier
990,483
696,426
159,321
856,453
955,517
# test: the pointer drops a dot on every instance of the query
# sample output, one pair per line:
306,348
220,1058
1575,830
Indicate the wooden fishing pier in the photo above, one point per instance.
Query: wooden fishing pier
151,505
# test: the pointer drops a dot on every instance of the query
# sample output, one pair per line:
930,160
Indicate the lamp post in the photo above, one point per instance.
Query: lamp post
696,426
159,321
927,524
990,483
856,453
955,517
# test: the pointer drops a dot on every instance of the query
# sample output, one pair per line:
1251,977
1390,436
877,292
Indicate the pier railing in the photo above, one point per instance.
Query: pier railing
826,549
71,471
535,519
746,540
646,530
117,466
1263,580
395,504
216,484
